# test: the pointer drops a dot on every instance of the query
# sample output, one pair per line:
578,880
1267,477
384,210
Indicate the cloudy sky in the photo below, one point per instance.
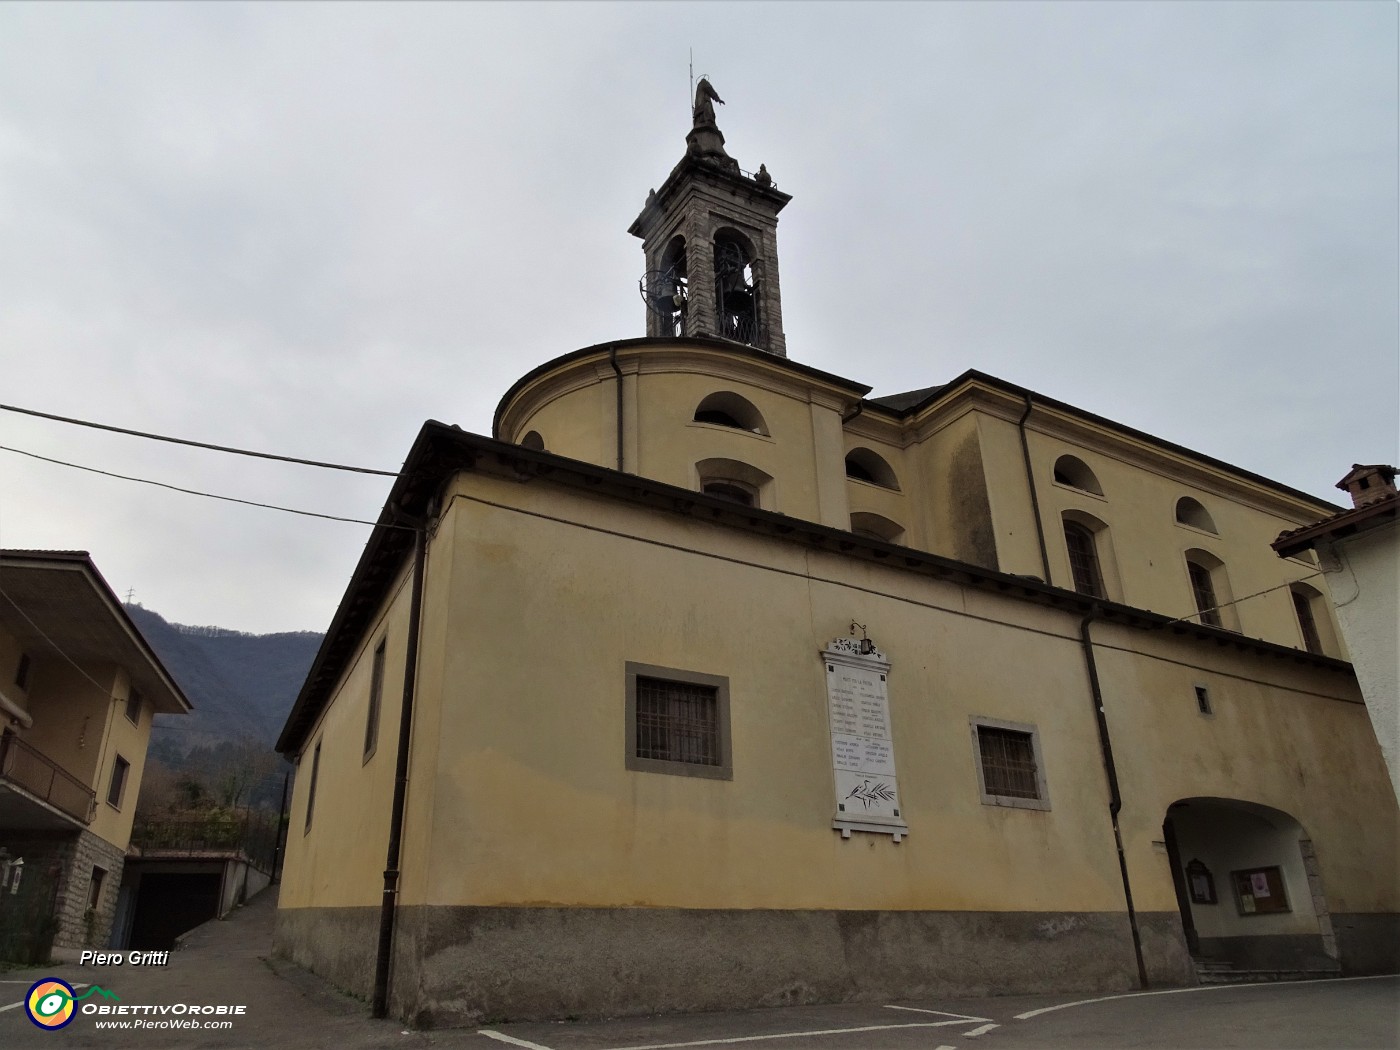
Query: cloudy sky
306,229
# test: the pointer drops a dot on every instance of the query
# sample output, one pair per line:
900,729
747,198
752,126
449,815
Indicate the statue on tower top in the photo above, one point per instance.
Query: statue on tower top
705,97
705,141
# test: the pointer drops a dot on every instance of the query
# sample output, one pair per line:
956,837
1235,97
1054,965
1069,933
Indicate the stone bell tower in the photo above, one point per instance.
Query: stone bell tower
710,235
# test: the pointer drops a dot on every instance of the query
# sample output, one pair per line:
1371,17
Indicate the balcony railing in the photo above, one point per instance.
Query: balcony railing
30,769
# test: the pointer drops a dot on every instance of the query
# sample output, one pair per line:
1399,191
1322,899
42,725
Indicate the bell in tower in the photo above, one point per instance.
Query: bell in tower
710,237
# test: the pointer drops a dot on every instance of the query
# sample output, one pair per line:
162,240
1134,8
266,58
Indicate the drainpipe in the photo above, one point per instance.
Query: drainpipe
1115,799
1030,481
612,360
380,1005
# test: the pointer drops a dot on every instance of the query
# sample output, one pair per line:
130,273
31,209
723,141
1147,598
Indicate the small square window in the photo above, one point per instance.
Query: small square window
134,700
1203,700
1010,770
117,788
22,672
678,722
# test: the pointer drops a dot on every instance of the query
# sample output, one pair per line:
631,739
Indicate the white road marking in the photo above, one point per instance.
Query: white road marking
792,1035
16,1006
980,1030
1201,988
945,1013
510,1039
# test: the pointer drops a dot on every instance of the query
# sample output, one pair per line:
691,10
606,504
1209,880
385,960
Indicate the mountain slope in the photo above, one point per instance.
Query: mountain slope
241,685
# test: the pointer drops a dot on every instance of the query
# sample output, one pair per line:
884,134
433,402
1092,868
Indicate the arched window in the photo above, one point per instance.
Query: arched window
1305,606
736,288
1190,512
1074,472
666,291
1084,559
876,527
865,465
1210,590
533,441
735,481
725,408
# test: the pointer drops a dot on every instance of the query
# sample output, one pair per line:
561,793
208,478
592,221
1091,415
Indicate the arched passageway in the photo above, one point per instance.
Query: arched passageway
1248,886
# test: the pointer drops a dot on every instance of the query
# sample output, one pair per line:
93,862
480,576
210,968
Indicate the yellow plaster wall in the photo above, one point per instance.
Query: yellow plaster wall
339,860
534,805
1291,738
130,741
71,709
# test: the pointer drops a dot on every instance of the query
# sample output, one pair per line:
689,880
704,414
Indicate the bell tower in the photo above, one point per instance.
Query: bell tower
710,236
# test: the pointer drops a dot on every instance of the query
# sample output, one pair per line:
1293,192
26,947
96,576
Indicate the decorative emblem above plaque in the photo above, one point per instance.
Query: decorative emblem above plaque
862,751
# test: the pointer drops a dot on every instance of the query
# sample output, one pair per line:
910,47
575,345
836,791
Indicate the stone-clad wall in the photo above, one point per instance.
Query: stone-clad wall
71,858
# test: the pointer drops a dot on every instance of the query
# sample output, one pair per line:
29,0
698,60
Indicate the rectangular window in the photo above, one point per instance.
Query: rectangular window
22,672
1203,590
117,788
678,722
1009,765
376,691
311,788
1302,605
95,889
133,707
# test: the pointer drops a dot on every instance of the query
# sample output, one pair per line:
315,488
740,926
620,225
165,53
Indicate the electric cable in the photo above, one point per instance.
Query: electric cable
197,444
197,492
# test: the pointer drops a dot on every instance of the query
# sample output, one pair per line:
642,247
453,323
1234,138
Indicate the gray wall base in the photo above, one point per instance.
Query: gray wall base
458,966
1368,942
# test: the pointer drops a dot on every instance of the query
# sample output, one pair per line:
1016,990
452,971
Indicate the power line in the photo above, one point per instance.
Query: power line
197,444
197,492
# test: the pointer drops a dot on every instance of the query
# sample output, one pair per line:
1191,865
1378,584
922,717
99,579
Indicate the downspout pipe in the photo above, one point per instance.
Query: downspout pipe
380,1004
1115,798
612,360
1030,482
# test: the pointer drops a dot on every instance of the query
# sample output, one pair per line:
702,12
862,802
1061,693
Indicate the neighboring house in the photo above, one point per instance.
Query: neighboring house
1359,551
709,681
78,689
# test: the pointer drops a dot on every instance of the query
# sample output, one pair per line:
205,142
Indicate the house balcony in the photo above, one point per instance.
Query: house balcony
37,793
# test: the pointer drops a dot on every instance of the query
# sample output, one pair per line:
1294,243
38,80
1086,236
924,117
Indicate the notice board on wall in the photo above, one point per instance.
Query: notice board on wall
862,742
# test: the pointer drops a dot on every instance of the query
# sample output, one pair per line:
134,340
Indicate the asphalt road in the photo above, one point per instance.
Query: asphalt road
225,963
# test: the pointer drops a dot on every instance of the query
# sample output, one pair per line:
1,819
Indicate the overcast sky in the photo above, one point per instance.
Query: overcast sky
306,229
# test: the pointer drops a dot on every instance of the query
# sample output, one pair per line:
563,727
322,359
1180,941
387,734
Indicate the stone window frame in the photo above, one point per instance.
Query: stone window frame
1042,801
720,683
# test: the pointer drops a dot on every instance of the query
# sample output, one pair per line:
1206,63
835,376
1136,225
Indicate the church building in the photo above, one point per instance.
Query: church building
709,680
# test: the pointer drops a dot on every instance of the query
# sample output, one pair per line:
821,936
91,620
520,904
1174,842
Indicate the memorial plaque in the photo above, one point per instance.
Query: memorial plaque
862,751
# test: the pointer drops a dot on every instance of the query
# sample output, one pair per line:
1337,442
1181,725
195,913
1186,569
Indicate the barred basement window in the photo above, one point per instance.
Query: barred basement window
1009,765
677,722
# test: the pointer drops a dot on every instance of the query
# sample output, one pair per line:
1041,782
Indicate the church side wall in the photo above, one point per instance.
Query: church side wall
332,876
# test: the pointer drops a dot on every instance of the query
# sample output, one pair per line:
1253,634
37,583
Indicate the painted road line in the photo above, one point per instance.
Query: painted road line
789,1035
945,1013
499,1037
980,1030
16,1006
1202,988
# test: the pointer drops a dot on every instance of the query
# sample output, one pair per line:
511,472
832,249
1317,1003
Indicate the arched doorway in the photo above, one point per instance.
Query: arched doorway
1248,886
